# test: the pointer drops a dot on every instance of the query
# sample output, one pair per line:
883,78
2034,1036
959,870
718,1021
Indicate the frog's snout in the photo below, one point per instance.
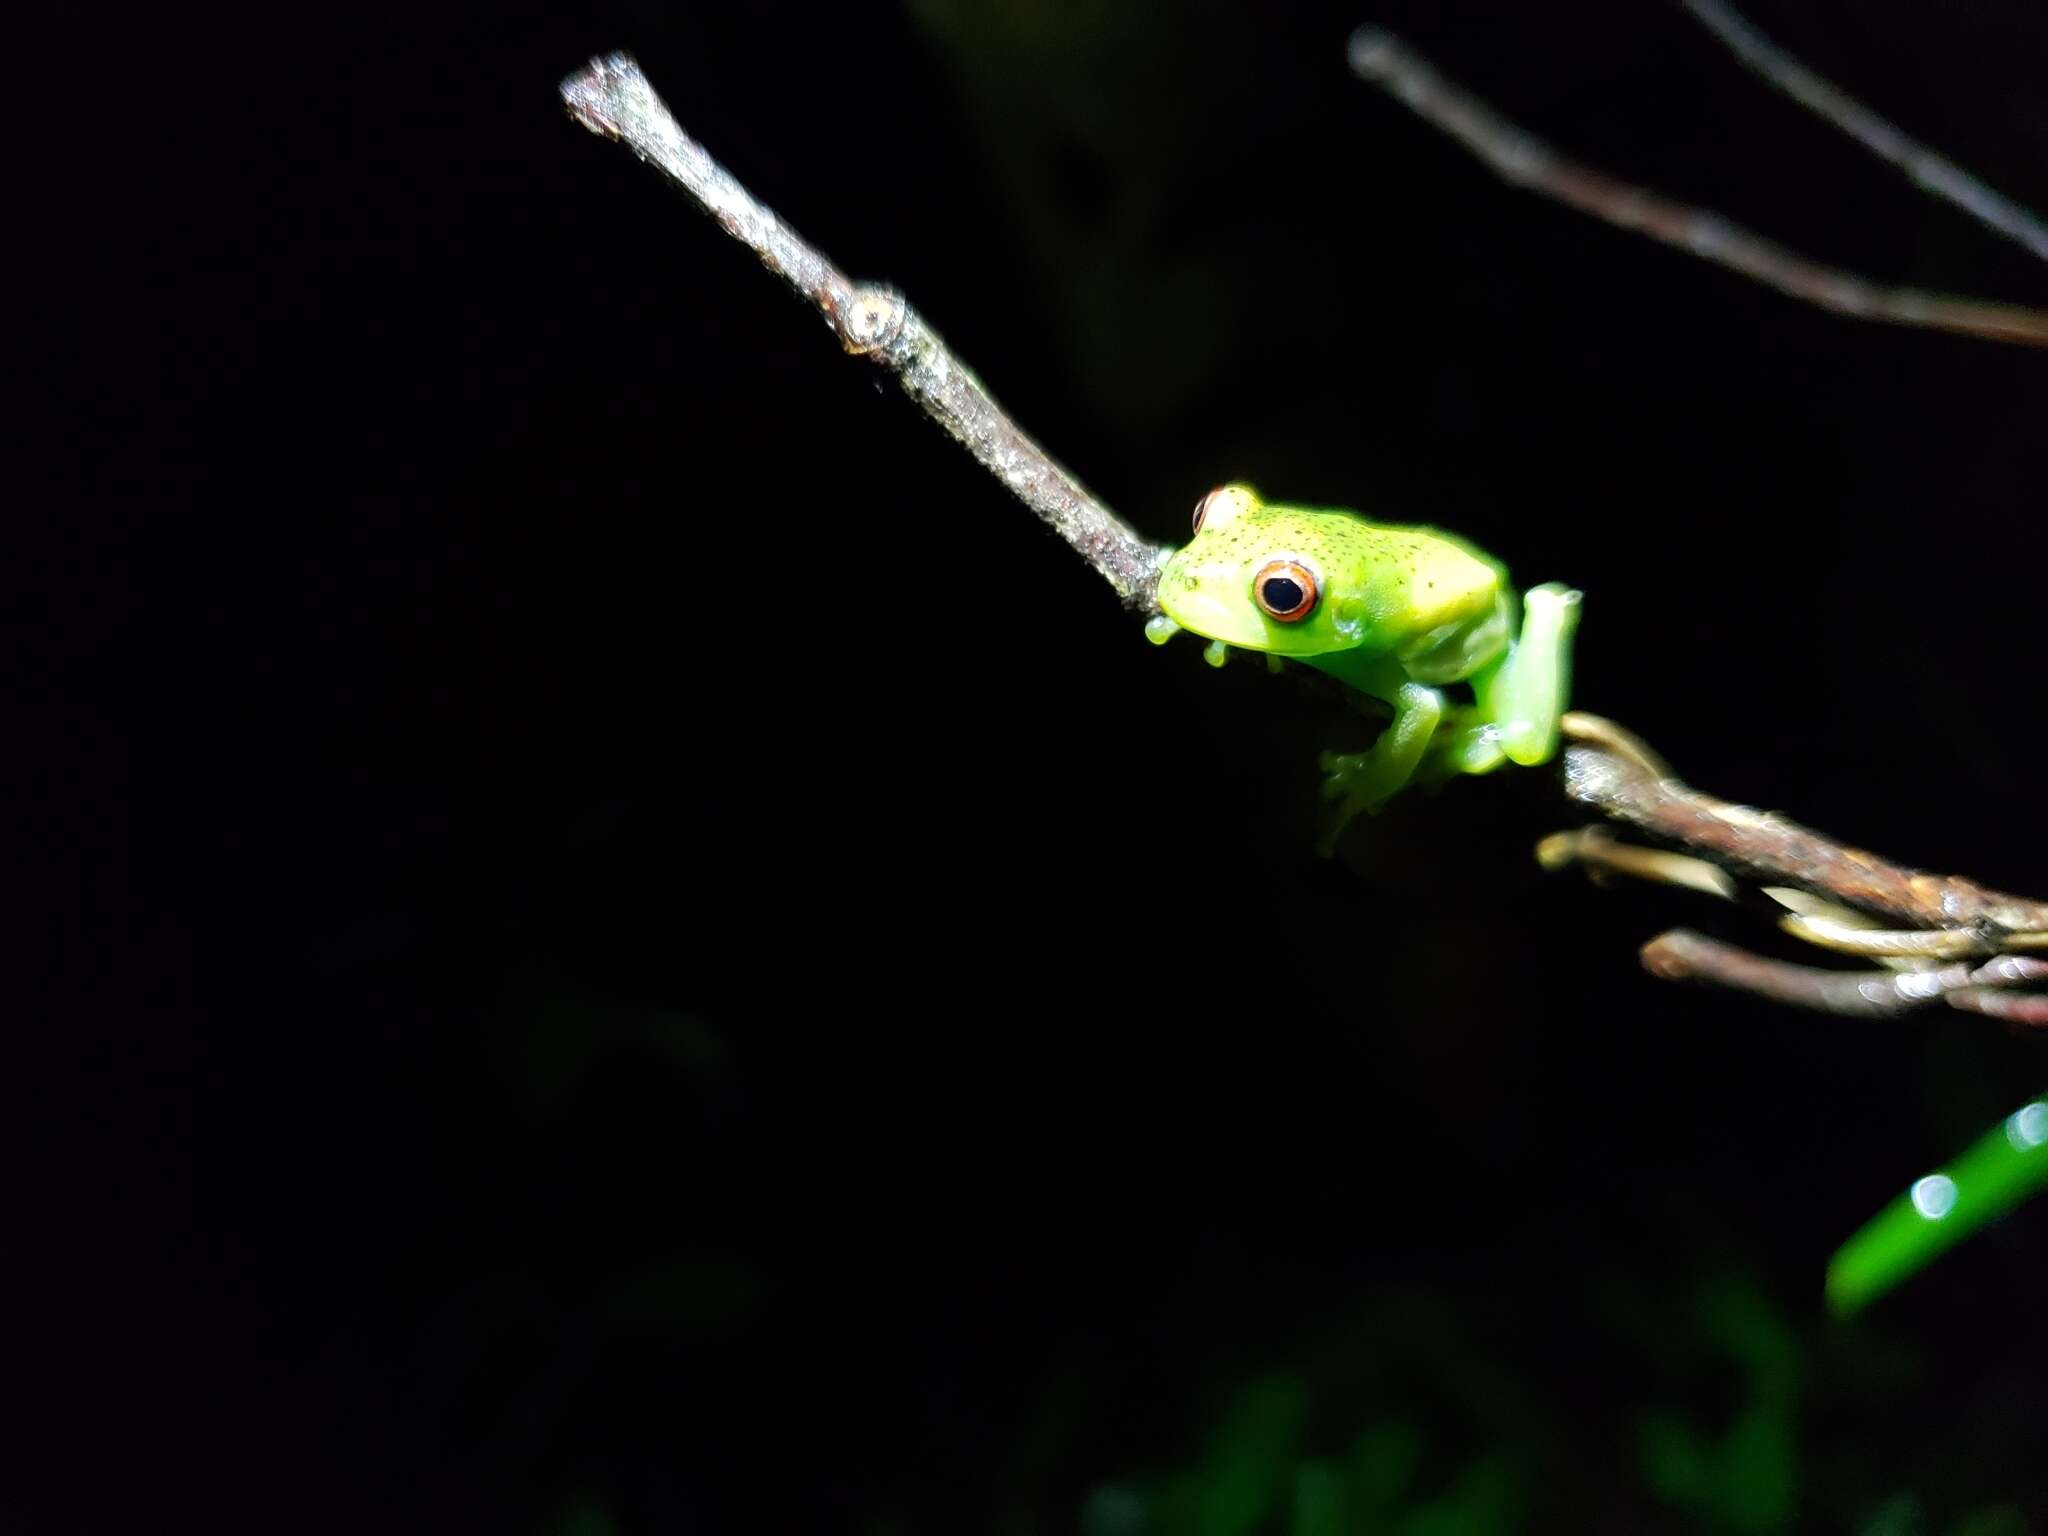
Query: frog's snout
1214,601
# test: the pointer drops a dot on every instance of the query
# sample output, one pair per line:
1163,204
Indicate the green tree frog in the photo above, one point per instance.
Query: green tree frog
1394,612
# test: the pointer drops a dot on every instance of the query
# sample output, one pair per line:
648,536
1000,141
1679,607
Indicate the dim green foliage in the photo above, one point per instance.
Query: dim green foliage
1446,1444
1687,1393
581,1519
1742,1475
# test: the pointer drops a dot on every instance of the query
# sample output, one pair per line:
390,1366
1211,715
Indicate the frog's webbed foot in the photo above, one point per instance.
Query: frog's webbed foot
1361,782
1468,742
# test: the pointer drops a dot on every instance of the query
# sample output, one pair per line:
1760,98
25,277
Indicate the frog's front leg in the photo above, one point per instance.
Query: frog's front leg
1520,695
1363,781
1525,696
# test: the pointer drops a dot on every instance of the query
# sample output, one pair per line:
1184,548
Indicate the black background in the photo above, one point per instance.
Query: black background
597,919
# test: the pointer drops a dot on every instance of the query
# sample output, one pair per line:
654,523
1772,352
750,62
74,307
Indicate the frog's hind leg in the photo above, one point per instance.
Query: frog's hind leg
1364,781
1527,693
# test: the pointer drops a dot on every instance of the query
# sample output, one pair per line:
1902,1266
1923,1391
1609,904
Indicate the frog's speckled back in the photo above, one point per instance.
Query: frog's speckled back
1376,586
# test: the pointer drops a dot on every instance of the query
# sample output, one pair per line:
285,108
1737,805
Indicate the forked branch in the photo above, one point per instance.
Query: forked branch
1938,938
1949,941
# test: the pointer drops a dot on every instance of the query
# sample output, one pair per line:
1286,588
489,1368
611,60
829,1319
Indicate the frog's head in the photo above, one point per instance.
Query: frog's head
1278,579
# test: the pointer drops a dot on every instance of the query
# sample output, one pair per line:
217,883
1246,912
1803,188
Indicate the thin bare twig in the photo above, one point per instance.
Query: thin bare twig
1525,161
611,97
1866,939
1596,850
1929,171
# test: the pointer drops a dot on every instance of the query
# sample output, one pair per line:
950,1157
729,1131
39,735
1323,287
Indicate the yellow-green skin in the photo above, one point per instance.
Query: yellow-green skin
1399,613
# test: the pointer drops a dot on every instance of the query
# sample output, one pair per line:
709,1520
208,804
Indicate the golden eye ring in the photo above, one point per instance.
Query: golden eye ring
1285,591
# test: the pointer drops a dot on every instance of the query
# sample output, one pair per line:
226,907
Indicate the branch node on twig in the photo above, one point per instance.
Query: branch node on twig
873,320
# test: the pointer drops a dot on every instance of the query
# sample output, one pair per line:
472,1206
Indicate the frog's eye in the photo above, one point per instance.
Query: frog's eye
1202,508
1285,590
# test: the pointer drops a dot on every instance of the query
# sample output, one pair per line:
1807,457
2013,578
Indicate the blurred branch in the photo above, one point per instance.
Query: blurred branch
611,97
1526,161
1931,172
1836,894
1683,955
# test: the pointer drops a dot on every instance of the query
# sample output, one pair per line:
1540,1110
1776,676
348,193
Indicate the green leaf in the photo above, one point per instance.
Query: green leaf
2005,1167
